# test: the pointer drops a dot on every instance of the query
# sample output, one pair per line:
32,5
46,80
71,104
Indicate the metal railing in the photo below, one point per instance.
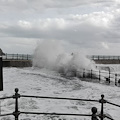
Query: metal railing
29,57
103,57
17,57
94,115
100,75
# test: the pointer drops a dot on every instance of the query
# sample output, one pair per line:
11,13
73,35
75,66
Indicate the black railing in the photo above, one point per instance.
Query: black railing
94,115
103,57
29,57
17,57
100,75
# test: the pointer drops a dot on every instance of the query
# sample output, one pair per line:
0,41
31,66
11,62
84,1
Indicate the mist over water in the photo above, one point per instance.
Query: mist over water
52,55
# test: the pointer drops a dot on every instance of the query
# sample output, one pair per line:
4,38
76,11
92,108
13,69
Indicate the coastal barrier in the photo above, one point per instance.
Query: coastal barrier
25,60
17,63
105,59
100,76
17,57
17,60
94,115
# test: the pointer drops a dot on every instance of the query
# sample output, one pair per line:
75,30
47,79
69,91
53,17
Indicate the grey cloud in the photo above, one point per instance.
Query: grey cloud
85,34
86,31
112,35
23,5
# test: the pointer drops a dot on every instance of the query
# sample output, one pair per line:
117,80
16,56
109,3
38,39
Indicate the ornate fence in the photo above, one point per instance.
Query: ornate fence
94,115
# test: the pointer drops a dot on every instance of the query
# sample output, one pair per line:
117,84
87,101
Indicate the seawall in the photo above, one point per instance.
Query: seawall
28,63
104,61
17,63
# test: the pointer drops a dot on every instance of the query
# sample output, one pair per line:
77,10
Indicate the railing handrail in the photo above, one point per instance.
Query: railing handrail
94,116
59,98
17,57
2,98
98,74
68,114
93,57
104,57
44,97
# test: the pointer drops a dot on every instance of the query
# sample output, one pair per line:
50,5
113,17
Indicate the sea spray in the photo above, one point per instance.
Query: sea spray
46,53
52,55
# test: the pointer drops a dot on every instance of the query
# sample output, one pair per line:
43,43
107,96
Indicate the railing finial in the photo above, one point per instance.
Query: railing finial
94,111
102,96
16,90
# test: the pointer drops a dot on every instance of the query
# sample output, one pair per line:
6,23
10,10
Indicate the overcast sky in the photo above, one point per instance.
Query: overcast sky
88,25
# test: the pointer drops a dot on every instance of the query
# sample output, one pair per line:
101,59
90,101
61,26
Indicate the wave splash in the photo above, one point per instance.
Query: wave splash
52,55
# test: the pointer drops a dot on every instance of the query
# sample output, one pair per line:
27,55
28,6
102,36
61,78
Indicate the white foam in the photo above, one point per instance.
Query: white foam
52,55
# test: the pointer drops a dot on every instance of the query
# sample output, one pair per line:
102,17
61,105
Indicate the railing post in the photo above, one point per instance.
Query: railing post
83,73
94,111
91,74
0,108
6,56
12,56
1,74
102,101
99,76
116,79
17,56
22,56
98,57
16,113
109,76
27,56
